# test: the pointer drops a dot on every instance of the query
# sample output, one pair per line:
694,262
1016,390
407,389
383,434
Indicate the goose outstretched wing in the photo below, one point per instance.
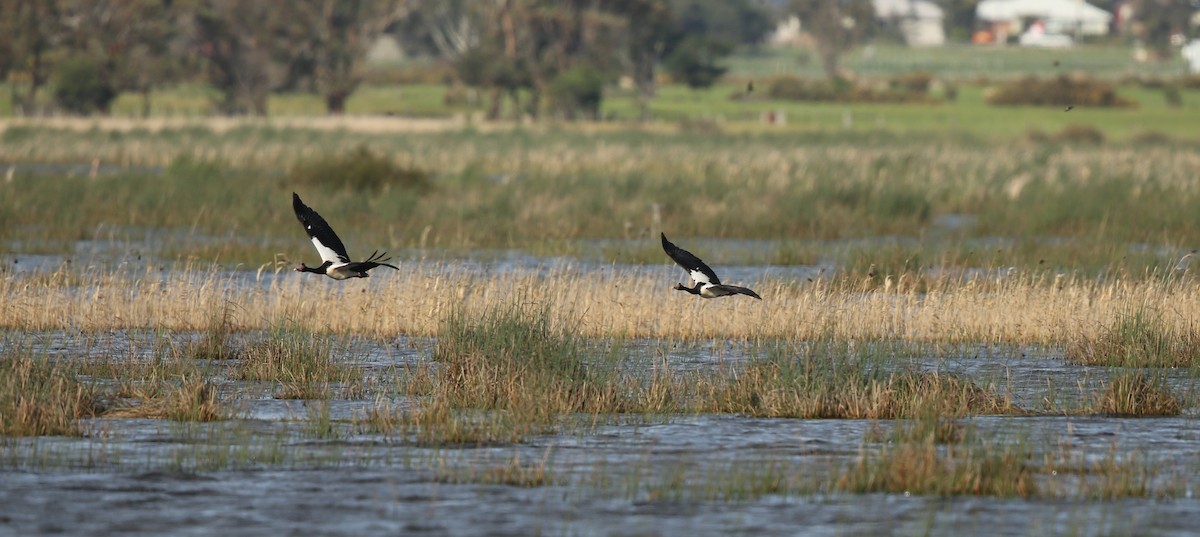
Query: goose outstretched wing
696,268
324,239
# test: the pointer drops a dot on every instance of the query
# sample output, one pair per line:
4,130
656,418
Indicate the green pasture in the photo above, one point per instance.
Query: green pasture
921,200
968,71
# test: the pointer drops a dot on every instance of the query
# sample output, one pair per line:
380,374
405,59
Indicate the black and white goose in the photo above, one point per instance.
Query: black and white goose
706,282
337,264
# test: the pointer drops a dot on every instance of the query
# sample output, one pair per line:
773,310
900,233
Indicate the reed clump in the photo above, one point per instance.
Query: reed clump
1136,393
435,423
1141,337
516,357
216,341
192,398
301,363
40,398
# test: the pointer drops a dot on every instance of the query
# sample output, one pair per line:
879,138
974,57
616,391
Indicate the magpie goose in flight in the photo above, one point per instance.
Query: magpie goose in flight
337,264
707,284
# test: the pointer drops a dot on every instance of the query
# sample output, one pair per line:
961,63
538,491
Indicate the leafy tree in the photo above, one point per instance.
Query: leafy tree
837,26
133,45
737,22
1156,21
578,90
650,33
33,29
532,42
81,88
959,19
695,61
332,37
235,38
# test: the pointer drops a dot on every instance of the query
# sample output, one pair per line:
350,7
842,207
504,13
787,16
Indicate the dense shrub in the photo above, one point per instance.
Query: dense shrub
1060,91
358,169
80,87
694,61
914,82
912,88
1080,134
578,91
1070,134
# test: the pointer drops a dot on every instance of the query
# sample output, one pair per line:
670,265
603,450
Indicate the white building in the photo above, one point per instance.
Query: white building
919,21
1053,18
1191,54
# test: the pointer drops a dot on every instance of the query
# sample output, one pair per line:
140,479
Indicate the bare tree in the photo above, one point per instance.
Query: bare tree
445,29
837,26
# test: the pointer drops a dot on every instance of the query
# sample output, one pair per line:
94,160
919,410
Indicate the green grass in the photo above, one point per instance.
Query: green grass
1142,337
957,62
1049,205
39,397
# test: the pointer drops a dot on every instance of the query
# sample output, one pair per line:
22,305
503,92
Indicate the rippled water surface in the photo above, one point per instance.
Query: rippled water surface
267,473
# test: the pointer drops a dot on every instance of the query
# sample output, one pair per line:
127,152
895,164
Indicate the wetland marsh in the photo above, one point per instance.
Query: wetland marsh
956,337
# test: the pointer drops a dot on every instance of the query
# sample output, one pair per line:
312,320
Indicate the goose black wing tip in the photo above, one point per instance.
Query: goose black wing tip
298,205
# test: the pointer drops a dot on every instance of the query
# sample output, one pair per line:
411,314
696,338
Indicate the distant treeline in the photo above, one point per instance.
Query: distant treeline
548,55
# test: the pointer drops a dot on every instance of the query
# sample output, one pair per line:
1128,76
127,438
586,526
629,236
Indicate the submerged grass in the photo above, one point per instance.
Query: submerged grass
916,462
831,378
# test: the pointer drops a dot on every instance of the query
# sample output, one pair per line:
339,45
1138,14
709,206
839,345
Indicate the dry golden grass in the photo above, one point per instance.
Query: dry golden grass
191,399
1014,309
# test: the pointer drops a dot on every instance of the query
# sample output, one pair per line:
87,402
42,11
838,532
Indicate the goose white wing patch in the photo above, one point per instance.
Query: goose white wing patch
699,277
327,253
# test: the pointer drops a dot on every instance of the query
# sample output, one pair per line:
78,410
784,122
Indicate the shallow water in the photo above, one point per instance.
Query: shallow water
269,471
373,495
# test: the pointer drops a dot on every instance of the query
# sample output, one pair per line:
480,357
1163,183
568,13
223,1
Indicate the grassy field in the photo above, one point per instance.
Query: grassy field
714,109
817,198
960,62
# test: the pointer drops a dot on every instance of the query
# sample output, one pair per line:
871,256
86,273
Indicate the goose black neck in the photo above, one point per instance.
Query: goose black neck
314,270
693,290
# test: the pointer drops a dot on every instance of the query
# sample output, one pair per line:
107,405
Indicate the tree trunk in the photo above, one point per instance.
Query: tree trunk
145,101
643,78
497,98
335,103
829,60
35,75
